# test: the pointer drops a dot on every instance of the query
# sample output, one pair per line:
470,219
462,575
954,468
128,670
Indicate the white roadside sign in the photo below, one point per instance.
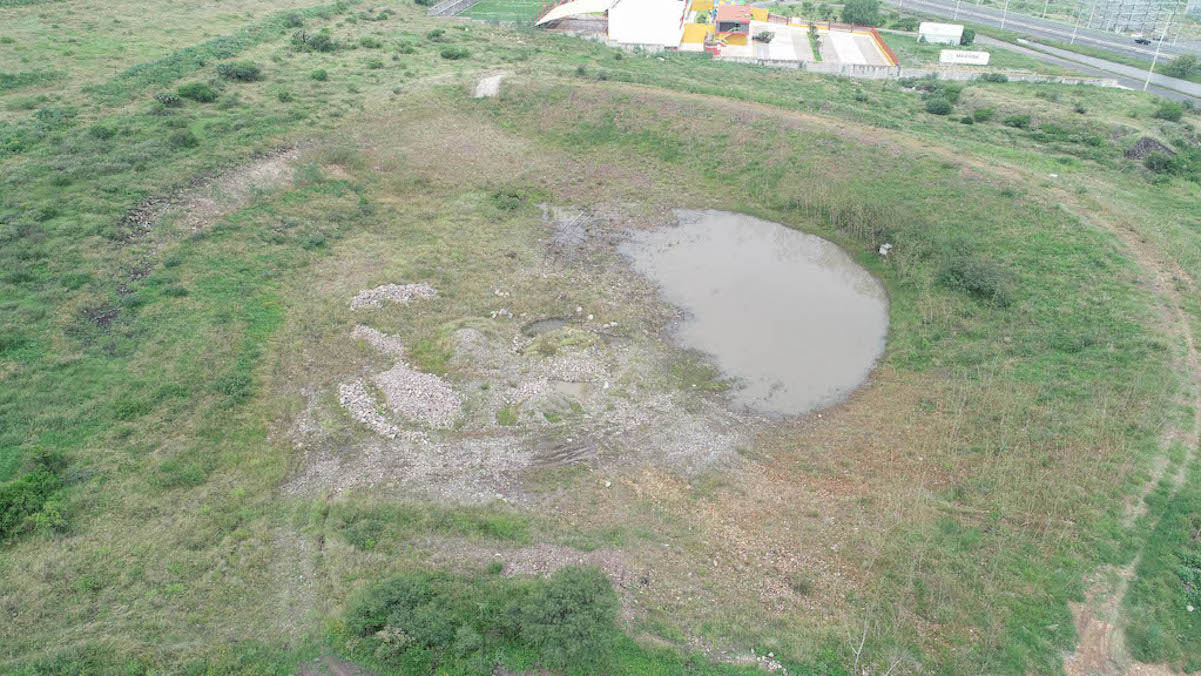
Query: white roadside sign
960,56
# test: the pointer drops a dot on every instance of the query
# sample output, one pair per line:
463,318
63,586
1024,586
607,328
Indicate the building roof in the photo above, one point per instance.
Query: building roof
953,30
739,13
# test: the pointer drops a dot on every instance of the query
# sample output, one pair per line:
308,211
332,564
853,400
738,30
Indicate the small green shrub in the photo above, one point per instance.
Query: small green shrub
284,96
978,277
968,37
319,75
294,20
436,35
375,64
939,107
1170,111
183,139
198,91
967,119
455,53
983,114
102,132
994,77
320,41
239,71
1017,121
1158,162
370,42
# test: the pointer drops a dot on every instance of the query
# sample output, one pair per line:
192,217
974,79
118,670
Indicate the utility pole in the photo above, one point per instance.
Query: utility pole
1046,6
956,10
1004,14
1158,44
1077,26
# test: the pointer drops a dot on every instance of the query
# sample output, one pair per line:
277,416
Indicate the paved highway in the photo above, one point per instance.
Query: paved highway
1131,78
1041,28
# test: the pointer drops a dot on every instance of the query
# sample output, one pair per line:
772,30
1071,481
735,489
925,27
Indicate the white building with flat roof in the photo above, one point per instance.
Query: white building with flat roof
939,33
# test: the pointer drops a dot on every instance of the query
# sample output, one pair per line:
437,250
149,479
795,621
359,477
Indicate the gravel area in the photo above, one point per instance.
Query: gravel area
392,293
419,396
379,340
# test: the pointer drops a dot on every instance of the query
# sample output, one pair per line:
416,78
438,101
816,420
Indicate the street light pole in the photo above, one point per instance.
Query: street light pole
1077,26
956,10
1158,45
1046,6
1004,14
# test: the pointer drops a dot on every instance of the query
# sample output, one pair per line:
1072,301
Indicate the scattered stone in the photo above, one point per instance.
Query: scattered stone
395,293
1145,146
355,398
489,86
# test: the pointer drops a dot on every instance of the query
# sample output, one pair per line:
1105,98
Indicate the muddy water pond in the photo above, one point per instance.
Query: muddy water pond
790,317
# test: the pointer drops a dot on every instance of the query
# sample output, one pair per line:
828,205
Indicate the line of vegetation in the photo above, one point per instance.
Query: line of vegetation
14,81
423,623
128,84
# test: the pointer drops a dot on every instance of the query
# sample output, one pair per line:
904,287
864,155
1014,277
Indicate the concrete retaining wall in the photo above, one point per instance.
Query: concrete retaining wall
870,72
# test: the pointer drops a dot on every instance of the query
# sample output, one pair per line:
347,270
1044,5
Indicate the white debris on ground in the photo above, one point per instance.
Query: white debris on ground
489,86
419,396
395,293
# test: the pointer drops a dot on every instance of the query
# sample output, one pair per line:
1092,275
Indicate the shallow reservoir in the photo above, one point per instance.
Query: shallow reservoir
789,316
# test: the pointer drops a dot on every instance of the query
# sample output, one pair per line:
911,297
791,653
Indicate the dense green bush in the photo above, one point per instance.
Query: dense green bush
1170,111
1160,163
908,24
861,12
938,106
983,114
1017,121
197,91
183,139
1183,66
26,502
968,37
319,75
320,41
979,277
411,622
239,71
455,53
994,77
370,42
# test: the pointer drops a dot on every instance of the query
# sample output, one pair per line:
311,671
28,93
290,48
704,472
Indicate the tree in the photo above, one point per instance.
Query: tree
1183,66
861,12
969,36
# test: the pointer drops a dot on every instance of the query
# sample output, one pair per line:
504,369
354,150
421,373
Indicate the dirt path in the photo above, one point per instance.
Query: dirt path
1099,620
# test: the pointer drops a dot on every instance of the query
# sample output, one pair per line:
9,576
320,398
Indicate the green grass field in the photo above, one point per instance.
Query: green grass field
517,11
183,490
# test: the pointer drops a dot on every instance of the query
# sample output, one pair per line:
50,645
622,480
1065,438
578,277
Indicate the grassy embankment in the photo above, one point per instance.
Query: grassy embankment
1023,392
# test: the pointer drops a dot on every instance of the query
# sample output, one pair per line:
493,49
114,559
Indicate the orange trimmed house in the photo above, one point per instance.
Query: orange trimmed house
733,24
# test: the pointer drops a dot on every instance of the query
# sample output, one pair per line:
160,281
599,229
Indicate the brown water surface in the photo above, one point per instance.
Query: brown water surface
789,316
